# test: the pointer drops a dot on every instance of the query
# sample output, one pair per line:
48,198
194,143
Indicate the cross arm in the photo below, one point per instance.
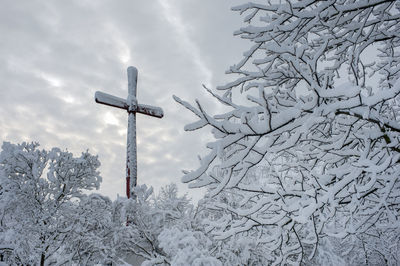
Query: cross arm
110,100
107,99
150,110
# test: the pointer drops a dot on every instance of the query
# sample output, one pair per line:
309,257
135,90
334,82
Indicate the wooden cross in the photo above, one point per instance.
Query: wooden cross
132,106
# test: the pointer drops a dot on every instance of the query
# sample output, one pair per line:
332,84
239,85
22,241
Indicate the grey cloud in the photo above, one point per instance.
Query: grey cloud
55,54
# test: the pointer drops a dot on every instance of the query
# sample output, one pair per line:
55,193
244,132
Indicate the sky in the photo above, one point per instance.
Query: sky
54,55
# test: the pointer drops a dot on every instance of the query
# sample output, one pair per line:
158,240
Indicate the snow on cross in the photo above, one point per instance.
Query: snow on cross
132,106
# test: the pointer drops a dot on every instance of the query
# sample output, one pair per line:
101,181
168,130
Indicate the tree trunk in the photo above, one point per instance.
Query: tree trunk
42,258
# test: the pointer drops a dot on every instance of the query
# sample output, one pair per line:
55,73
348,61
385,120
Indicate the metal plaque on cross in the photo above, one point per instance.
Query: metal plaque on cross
132,107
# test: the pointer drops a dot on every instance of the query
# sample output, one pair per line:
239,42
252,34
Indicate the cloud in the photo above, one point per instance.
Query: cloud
55,54
190,48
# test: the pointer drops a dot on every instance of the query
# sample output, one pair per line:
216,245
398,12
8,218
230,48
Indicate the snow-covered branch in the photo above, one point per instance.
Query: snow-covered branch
319,115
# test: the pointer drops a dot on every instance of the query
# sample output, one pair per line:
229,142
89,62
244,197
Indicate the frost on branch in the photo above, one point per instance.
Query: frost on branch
319,116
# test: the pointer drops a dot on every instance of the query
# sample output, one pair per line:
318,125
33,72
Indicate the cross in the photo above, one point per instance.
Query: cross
131,105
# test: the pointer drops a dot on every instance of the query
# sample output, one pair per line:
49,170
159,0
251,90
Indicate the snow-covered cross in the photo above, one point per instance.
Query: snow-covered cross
132,106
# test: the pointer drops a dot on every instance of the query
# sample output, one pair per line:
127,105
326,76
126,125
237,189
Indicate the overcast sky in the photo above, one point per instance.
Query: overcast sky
54,55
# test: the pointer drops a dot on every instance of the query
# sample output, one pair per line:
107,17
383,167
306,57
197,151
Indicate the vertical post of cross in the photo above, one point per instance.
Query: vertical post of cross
131,158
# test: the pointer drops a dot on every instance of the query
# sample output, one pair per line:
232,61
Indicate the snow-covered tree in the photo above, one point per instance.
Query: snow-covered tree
92,240
171,223
316,106
39,192
379,246
48,217
115,231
